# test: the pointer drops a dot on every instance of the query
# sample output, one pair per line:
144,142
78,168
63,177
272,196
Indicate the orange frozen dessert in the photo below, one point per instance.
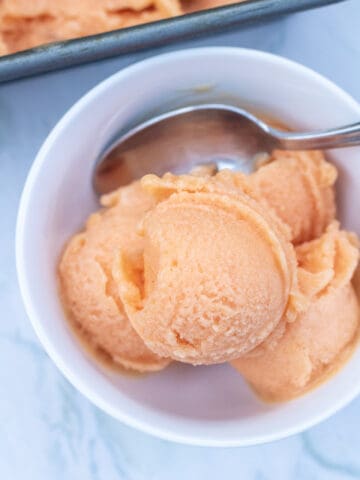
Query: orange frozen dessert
299,187
30,23
89,291
302,353
207,295
211,267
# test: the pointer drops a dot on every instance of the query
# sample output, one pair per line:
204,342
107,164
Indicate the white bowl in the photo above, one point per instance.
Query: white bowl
202,405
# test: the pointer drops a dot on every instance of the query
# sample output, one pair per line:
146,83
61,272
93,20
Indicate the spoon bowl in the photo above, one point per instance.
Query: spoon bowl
180,140
218,134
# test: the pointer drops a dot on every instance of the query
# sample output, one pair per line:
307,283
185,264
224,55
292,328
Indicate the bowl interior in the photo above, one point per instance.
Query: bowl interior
200,405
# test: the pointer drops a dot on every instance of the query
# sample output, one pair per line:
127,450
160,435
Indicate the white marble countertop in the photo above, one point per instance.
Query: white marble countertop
47,429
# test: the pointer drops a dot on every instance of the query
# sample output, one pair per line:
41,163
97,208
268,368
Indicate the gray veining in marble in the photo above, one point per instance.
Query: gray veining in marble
47,429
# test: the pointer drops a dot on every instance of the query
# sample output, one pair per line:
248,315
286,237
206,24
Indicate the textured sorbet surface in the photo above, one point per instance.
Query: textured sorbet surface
212,267
88,288
208,294
285,367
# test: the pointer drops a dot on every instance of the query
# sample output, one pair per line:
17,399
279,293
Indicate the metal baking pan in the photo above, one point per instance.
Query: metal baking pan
96,47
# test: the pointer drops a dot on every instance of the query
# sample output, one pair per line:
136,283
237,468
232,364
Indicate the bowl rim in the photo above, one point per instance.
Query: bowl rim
74,378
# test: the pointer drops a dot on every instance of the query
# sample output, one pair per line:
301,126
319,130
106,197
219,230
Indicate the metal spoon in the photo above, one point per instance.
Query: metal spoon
224,135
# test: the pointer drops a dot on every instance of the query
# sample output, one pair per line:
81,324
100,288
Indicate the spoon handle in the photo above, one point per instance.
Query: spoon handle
332,138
